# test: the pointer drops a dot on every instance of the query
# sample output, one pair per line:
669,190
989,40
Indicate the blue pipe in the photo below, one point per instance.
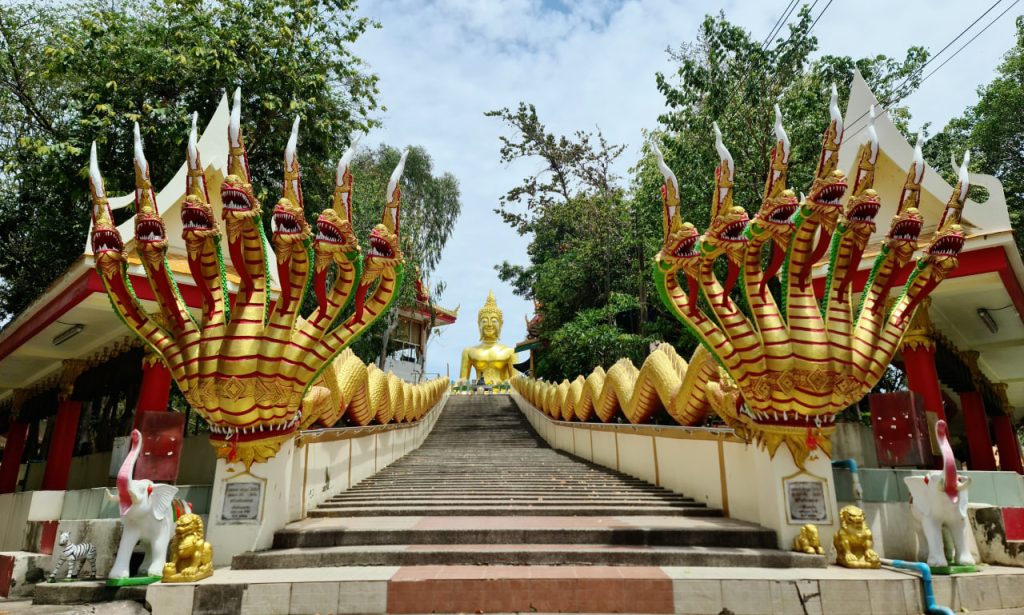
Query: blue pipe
926,580
858,491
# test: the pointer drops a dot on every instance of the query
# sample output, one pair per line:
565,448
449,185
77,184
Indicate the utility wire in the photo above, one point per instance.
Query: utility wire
888,105
783,18
896,96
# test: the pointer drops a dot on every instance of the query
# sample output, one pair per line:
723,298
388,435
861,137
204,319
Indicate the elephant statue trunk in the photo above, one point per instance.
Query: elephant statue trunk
939,498
125,474
146,515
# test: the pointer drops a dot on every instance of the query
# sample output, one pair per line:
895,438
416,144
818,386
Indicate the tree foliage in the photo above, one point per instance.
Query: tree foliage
430,207
77,72
993,129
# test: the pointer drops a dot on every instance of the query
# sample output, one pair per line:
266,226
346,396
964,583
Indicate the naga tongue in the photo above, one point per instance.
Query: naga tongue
778,256
360,301
730,281
691,286
823,242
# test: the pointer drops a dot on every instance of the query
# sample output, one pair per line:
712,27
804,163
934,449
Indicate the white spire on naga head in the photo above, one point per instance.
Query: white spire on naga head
393,196
918,161
193,145
292,186
141,166
963,177
395,176
235,123
669,191
95,178
871,136
723,152
781,136
837,117
343,184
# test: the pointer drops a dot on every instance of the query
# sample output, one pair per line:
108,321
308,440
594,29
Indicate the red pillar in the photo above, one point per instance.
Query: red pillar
62,445
919,364
1009,446
155,390
976,425
12,456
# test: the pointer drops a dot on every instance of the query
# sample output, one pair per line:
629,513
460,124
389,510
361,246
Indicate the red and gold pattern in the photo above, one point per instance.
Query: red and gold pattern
247,370
778,376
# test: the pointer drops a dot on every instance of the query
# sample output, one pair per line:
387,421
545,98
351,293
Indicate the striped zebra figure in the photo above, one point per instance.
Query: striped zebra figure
73,554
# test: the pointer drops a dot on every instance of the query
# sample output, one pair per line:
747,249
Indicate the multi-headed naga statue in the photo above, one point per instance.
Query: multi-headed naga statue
779,371
247,368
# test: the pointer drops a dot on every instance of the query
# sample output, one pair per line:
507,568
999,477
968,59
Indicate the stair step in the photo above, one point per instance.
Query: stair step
561,510
518,554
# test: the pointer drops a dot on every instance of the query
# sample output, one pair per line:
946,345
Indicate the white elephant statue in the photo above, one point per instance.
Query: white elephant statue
939,498
146,515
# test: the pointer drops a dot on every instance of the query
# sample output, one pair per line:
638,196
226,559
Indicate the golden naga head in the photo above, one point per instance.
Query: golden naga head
727,230
863,206
385,249
680,247
236,193
490,319
779,203
197,223
905,227
829,183
290,227
944,250
150,234
107,245
335,236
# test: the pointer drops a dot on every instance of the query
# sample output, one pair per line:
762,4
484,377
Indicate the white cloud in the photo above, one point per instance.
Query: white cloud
443,64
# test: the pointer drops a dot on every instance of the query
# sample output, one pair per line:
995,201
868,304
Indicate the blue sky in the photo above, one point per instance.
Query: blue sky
587,64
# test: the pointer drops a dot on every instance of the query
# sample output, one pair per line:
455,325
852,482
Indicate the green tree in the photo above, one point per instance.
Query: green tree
430,206
77,72
993,130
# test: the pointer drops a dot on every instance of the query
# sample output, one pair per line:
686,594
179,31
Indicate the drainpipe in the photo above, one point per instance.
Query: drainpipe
851,465
926,580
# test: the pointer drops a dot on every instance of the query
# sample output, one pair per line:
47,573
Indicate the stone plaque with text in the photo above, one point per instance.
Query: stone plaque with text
242,501
806,501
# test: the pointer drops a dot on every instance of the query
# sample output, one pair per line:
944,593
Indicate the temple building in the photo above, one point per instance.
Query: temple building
962,353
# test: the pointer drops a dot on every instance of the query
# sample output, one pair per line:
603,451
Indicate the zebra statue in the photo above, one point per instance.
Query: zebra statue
74,553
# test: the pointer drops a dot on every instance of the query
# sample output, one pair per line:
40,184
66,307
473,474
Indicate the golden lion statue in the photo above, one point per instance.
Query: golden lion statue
808,541
191,554
853,540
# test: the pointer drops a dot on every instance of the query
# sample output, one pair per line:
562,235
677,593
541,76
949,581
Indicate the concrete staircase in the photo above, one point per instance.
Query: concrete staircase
483,489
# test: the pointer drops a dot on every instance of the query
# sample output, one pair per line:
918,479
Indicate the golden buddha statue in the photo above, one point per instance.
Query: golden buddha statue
492,360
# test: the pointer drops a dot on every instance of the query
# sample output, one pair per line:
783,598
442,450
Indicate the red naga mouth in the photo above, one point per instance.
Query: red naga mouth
328,233
783,213
830,194
286,224
734,231
907,230
106,240
950,245
149,230
379,247
234,199
865,212
196,219
230,433
686,247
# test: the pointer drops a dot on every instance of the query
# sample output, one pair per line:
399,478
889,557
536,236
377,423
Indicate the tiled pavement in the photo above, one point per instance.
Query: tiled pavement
582,589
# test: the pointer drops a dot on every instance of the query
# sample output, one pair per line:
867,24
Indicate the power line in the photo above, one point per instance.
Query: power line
896,97
781,21
888,105
815,22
